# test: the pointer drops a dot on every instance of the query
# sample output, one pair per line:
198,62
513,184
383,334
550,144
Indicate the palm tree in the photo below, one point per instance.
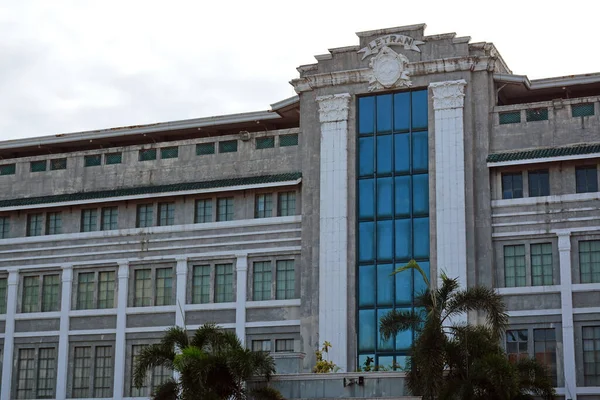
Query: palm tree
447,358
211,365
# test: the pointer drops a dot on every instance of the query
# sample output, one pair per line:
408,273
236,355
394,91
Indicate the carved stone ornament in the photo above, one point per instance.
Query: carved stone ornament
388,70
334,107
448,94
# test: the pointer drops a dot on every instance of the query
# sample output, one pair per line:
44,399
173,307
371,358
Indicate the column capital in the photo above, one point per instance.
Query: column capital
241,262
123,270
67,273
448,95
333,107
564,240
13,276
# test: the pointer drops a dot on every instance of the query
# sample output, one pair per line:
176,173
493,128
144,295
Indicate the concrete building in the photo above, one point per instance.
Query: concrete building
284,225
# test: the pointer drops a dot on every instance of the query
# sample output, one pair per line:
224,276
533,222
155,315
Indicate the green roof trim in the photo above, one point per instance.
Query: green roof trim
544,153
177,187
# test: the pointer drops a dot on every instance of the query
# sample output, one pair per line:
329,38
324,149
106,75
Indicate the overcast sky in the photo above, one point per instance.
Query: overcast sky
69,66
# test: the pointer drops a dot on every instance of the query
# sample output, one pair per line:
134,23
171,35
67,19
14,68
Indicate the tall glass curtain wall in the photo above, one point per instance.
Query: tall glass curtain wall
393,216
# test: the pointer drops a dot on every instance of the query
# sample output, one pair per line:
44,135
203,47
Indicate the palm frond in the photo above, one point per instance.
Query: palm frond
412,264
151,356
397,321
175,337
535,378
168,390
480,298
266,393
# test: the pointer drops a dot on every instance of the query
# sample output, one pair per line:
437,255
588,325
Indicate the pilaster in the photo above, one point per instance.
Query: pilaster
63,338
9,332
182,267
566,300
241,268
122,294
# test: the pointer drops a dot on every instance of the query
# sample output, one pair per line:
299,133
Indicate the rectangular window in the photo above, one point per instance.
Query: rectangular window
157,377
286,280
46,379
516,344
261,345
539,183
224,283
263,206
53,223
164,286
201,284
544,341
203,211
541,264
203,149
288,140
109,218
589,261
591,355
147,155
58,163
92,160
586,179
514,266
8,169
142,288
261,281
85,290
166,214
145,215
511,117
3,294
582,110
113,158
89,220
103,372
229,146
38,166
4,227
106,289
265,142
169,152
26,374
512,185
286,204
34,224
284,345
82,365
536,114
51,293
225,209
31,293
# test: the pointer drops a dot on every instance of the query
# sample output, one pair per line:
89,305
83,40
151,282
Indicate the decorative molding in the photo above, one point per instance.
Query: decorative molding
448,94
544,160
333,107
388,70
383,42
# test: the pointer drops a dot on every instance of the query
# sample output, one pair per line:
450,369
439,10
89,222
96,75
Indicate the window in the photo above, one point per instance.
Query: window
261,345
109,218
142,288
591,355
203,211
89,220
512,117
8,169
164,286
582,110
153,287
166,214
49,295
544,341
58,163
263,206
225,209
53,223
229,146
38,166
36,373
34,224
539,183
261,281
201,284
31,292
3,294
85,291
205,148
95,290
106,289
514,266
144,215
288,140
589,261
512,185
286,204
284,345
4,227
536,114
92,160
147,155
265,142
541,264
516,344
92,371
223,283
103,372
586,179
169,152
113,158
285,285
157,377
82,363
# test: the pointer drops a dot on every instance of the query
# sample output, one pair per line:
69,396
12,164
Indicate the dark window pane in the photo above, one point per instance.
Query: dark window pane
169,152
265,142
511,117
113,158
419,151
385,197
38,166
366,110
288,140
419,109
539,183
402,111
366,330
536,114
402,195
384,113
366,201
366,285
512,185
586,179
403,239
420,193
385,285
403,286
402,153
582,110
385,240
58,163
366,238
365,156
384,154
7,169
229,146
147,155
93,160
418,283
421,238
205,148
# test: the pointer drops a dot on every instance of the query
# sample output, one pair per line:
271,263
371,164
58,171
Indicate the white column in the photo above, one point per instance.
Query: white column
333,239
9,332
122,294
63,338
566,300
241,268
182,268
448,103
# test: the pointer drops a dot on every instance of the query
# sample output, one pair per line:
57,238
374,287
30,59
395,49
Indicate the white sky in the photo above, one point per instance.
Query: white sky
79,65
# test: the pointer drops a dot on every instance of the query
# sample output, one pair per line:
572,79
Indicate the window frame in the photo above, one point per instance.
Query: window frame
96,282
512,190
588,378
206,216
263,205
153,379
107,212
538,182
591,182
166,213
134,301
592,242
228,215
40,305
5,227
54,223
91,221
92,366
273,261
290,198
36,361
39,224
147,222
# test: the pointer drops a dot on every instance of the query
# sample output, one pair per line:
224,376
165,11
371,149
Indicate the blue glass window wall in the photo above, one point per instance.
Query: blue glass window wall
392,214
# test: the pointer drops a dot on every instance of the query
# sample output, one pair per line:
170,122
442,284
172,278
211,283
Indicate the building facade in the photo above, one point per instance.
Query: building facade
285,225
